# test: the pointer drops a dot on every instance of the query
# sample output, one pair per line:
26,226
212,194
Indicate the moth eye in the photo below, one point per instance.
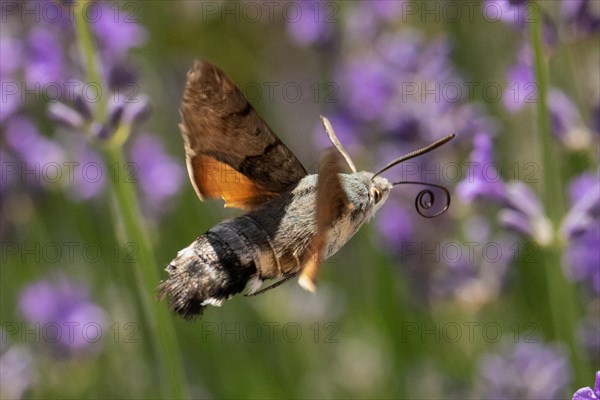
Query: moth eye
377,195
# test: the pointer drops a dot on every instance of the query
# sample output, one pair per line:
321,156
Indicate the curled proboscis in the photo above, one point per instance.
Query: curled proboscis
426,199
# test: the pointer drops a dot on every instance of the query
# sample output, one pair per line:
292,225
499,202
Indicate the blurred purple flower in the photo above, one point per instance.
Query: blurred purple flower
581,229
484,183
16,369
521,210
361,23
313,24
34,149
406,85
525,214
584,196
588,332
474,269
395,225
90,173
386,9
525,371
117,33
370,91
517,13
160,176
122,111
587,393
521,84
582,257
67,306
10,102
11,55
595,119
44,62
65,115
9,170
584,14
11,52
509,11
567,124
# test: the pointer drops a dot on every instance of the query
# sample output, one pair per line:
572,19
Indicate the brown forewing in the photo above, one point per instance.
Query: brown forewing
231,153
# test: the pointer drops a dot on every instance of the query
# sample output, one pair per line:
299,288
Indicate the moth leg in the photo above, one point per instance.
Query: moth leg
312,266
273,286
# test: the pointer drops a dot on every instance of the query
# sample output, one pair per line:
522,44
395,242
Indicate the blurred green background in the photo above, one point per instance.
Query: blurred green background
387,321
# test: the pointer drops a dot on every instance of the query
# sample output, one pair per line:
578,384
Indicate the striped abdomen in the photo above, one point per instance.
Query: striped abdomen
219,264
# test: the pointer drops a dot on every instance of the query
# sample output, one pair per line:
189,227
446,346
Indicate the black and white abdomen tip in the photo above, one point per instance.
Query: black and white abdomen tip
207,272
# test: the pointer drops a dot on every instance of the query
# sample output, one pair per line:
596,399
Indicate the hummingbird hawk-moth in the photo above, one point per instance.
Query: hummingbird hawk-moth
294,220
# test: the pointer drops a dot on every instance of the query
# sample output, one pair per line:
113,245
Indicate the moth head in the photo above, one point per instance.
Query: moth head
379,188
379,191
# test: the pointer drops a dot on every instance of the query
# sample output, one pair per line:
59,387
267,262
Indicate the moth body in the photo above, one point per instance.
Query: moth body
266,243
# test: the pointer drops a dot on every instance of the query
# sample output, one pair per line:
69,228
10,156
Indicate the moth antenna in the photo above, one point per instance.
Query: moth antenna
425,203
334,140
417,153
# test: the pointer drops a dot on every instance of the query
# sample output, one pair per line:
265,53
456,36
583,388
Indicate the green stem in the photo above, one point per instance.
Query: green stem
127,210
87,49
562,296
159,321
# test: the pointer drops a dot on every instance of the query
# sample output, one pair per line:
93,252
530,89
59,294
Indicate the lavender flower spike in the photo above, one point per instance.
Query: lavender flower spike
587,393
526,214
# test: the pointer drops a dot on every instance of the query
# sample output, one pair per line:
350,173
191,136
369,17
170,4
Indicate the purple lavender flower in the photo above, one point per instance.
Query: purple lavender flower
117,33
584,196
90,174
396,225
44,58
588,332
517,13
16,369
595,119
474,270
587,393
581,229
160,176
370,91
521,85
361,23
406,86
11,53
567,124
9,170
386,9
33,148
122,112
509,11
525,214
581,259
584,14
484,183
525,371
76,320
522,211
312,25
